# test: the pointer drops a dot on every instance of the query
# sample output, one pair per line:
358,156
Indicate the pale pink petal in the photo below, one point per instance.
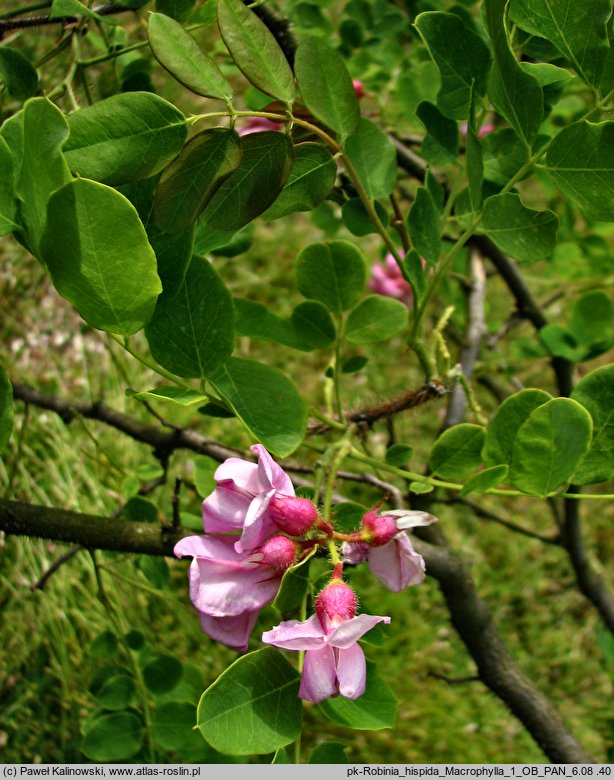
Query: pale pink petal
222,590
319,680
354,552
243,473
258,526
410,518
296,635
351,671
225,509
350,631
271,474
215,548
233,631
396,564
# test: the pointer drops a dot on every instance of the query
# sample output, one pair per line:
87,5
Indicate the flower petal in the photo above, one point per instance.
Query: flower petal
354,552
243,473
319,680
271,474
225,509
296,635
224,590
351,671
232,631
350,631
410,518
396,564
258,525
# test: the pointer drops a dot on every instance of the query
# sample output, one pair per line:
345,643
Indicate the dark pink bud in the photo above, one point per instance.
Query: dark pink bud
293,515
279,552
336,603
359,89
378,529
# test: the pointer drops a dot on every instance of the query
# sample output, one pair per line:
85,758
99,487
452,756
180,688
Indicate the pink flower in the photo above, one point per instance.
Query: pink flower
241,500
484,130
387,279
359,89
258,124
391,558
228,587
334,661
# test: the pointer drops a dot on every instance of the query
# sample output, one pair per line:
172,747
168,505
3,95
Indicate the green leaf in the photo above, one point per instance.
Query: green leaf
508,419
103,645
474,158
99,258
354,364
265,401
42,170
6,409
457,451
440,145
124,138
357,219
309,327
172,726
310,181
178,52
524,233
18,74
329,753
414,269
348,516
420,488
162,673
484,480
398,455
549,446
61,8
191,180
332,272
581,163
281,757
255,50
423,224
113,737
375,709
182,396
560,343
192,332
115,693
515,94
173,250
8,201
140,510
326,86
253,707
294,585
176,9
504,154
578,30
595,392
266,162
376,318
591,322
462,57
374,158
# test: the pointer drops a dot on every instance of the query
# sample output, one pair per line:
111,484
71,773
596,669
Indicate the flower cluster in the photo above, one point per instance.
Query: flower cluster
256,528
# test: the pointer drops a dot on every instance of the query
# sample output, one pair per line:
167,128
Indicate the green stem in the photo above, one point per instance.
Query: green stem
327,420
125,344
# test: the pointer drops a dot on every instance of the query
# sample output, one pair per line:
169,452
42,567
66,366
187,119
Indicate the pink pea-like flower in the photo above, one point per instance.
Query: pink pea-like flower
241,500
334,661
484,130
258,124
389,554
228,588
387,279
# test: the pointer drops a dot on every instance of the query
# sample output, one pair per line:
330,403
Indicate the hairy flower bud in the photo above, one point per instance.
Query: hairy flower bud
293,515
279,552
336,603
378,529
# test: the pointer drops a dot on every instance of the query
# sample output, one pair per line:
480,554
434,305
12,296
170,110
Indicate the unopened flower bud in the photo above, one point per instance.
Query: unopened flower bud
279,552
293,515
336,603
378,529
